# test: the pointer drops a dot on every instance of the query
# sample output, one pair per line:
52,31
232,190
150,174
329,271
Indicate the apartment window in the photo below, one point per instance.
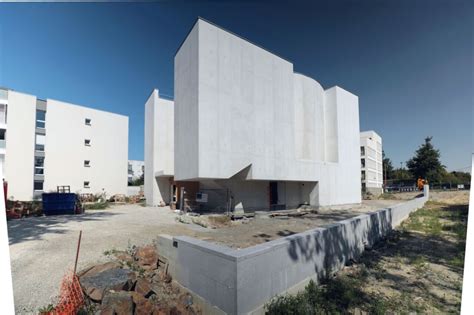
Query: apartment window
87,142
86,185
362,162
3,113
40,142
38,185
362,151
40,118
88,121
363,175
2,138
39,165
87,163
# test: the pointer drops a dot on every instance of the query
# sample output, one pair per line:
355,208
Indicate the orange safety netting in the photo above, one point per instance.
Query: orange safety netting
71,298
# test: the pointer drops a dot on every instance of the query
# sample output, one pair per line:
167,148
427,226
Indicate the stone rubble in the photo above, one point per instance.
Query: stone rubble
136,283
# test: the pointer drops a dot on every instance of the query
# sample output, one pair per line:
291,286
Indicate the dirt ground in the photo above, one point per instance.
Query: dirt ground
418,269
42,249
246,233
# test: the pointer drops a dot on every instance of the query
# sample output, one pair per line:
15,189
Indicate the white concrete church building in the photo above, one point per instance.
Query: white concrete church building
245,132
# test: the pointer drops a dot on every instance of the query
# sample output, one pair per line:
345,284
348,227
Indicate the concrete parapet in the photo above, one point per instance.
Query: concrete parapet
242,281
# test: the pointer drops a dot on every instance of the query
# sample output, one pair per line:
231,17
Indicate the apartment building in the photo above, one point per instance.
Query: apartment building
245,132
49,143
135,170
371,162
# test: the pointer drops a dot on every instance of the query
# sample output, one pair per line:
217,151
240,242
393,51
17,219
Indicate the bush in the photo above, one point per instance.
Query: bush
96,205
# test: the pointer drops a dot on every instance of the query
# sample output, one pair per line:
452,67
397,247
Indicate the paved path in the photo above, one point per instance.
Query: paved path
42,249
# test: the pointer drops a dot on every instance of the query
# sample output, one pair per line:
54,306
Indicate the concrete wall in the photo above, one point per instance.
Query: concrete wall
134,190
159,148
186,108
239,106
242,281
20,145
65,151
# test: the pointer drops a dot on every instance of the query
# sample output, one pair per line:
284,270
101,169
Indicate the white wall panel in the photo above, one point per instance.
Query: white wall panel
20,145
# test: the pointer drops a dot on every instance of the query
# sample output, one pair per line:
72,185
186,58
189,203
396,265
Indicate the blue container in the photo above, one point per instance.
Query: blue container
59,203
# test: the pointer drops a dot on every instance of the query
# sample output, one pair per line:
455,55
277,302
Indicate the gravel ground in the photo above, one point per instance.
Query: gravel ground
42,249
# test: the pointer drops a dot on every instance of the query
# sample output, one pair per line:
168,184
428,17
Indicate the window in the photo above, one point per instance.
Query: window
40,142
362,162
40,118
39,161
88,121
39,165
2,138
87,142
3,113
87,163
363,175
86,185
38,185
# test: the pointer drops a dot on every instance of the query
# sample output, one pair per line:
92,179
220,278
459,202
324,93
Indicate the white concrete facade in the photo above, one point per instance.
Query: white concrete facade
51,143
135,169
371,161
159,148
245,122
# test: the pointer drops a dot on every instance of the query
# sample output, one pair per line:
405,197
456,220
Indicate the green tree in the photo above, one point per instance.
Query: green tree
402,174
387,166
138,182
455,178
426,163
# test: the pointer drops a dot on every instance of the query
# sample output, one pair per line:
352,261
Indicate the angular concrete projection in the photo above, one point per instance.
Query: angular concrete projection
238,105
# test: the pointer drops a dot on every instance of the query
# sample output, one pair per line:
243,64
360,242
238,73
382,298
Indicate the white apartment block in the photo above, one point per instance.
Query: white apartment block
135,169
371,162
48,143
248,131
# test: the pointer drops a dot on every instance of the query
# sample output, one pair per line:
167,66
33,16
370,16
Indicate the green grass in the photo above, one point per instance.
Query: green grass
388,196
46,309
344,293
97,206
334,296
425,220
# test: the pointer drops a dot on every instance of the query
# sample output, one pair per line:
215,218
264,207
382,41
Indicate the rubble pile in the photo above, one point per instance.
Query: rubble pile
135,282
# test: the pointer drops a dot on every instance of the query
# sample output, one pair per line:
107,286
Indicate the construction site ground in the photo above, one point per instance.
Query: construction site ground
42,249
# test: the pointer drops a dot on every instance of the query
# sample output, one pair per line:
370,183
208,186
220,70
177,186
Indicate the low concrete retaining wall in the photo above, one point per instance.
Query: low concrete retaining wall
242,281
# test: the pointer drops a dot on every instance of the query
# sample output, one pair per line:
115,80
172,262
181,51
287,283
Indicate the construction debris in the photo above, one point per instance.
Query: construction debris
137,282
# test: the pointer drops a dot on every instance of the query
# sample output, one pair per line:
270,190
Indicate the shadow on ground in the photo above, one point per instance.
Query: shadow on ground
33,228
417,268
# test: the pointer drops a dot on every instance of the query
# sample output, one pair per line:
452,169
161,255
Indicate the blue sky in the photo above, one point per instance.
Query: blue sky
410,62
